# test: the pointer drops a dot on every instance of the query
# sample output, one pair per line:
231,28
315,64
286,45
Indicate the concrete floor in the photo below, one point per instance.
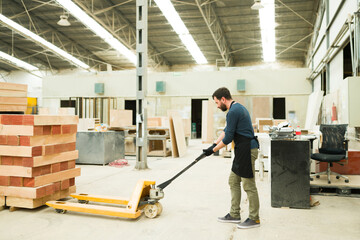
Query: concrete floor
191,205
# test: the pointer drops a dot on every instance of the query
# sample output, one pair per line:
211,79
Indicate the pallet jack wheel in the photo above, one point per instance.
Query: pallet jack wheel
160,208
62,211
151,210
83,201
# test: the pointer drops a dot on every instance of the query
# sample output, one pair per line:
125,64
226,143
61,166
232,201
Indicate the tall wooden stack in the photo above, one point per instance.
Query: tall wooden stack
13,97
37,159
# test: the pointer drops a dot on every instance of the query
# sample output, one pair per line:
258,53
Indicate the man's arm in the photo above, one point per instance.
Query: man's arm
219,143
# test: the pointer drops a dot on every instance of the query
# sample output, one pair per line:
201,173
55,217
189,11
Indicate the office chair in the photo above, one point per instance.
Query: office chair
334,149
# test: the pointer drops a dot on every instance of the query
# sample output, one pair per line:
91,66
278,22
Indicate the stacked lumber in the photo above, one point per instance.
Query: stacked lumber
177,134
37,159
13,97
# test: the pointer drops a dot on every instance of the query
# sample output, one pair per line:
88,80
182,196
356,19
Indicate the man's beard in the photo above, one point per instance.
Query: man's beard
223,107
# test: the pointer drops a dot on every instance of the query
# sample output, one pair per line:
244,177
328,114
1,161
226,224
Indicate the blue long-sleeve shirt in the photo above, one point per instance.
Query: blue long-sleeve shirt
238,121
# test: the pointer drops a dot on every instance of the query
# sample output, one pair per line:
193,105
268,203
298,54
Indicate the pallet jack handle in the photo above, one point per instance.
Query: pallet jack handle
165,184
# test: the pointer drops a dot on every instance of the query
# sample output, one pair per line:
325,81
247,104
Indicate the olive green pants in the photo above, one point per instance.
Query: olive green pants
249,186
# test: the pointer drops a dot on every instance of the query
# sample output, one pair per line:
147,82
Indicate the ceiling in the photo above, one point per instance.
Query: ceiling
226,31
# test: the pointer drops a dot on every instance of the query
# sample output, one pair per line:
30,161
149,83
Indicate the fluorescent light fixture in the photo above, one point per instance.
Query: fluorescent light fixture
267,26
39,40
257,5
179,27
95,27
17,62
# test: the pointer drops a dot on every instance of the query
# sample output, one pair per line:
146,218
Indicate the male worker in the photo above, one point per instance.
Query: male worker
238,128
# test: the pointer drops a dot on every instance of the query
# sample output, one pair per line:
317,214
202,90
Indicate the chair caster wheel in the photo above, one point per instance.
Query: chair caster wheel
346,180
329,182
317,176
337,177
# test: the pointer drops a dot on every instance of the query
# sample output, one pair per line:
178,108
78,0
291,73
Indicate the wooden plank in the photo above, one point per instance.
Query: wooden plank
34,203
13,86
17,130
154,121
12,108
207,122
29,192
66,111
47,139
55,120
13,101
20,151
120,118
11,93
261,107
187,126
54,158
179,132
174,148
44,111
29,172
15,171
55,177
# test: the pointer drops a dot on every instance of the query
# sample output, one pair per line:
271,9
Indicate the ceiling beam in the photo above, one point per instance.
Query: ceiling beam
52,29
23,57
113,15
215,27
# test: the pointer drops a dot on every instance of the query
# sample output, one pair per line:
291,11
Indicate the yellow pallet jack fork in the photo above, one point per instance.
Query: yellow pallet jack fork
144,198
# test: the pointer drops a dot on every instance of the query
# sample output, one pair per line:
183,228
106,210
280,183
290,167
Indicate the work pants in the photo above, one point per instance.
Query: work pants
249,186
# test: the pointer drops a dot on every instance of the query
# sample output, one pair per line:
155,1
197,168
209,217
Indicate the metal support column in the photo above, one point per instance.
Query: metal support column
141,83
327,64
356,42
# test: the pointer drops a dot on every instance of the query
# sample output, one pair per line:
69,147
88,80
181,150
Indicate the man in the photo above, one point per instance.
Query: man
238,128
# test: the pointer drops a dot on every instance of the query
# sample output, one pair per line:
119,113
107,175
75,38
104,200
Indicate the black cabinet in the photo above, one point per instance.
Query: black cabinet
290,173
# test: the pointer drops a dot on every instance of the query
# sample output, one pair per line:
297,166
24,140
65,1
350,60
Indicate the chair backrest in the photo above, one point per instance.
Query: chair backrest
333,138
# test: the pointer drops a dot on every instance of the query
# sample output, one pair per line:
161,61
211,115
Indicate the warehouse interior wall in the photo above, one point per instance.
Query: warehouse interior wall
181,88
333,58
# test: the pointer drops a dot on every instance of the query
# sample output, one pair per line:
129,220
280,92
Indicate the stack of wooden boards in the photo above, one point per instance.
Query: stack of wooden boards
13,97
37,159
177,134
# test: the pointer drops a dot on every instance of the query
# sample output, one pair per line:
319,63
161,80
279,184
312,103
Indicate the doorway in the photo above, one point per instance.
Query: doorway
279,108
131,105
196,116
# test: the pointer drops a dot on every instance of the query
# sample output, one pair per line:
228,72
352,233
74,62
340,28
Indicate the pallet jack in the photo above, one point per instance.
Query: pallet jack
145,198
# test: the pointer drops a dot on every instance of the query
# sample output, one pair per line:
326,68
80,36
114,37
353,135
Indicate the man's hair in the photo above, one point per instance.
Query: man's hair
222,92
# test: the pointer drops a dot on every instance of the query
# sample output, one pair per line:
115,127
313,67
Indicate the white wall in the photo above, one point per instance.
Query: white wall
122,84
336,64
317,83
336,72
181,87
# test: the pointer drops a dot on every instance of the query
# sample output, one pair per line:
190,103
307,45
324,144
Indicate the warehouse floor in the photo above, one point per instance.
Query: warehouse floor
191,205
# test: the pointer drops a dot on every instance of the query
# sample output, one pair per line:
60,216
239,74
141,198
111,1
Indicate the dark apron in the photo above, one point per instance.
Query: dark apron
242,162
